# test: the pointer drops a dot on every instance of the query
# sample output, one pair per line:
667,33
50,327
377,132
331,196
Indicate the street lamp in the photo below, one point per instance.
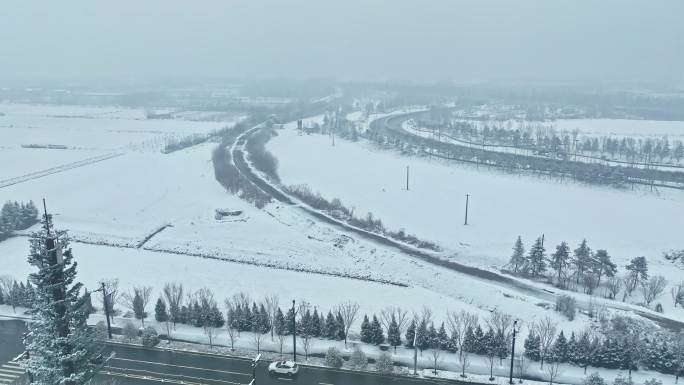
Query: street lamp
515,330
254,365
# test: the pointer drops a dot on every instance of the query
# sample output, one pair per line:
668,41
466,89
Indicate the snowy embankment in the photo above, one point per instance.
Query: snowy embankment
502,206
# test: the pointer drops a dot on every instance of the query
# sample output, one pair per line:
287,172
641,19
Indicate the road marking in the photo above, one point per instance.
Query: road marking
11,371
6,381
179,366
9,375
180,376
283,379
325,383
147,378
180,352
16,364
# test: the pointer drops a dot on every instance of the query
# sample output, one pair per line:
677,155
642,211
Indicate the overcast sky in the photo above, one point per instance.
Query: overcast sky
478,40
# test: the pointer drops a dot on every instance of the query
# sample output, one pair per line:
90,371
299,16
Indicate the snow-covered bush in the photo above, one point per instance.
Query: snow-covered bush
567,306
653,381
384,364
129,331
594,379
333,358
358,359
101,331
150,337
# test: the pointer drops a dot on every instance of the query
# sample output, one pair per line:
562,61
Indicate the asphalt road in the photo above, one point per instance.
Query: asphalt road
137,365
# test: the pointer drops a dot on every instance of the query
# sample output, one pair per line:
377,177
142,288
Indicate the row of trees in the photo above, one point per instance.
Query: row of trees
545,137
338,210
17,216
616,348
583,267
15,293
517,162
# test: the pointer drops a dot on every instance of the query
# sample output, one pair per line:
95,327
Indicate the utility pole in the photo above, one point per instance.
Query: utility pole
106,309
407,178
542,239
515,324
415,351
294,331
466,210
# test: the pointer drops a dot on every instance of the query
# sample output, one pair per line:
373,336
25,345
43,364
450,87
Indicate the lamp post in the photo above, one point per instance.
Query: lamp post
294,331
254,366
515,325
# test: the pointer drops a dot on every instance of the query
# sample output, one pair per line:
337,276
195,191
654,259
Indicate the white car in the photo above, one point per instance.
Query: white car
283,367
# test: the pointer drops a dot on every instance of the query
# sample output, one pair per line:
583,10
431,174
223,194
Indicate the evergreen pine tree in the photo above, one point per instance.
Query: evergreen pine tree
582,259
469,341
315,324
279,323
290,322
330,328
422,336
160,314
480,343
376,328
559,350
366,332
62,349
340,327
517,262
393,334
560,261
537,258
532,347
572,349
432,339
443,338
410,334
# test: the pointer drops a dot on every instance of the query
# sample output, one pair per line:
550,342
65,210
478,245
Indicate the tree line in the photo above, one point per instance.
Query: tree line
593,173
17,216
588,269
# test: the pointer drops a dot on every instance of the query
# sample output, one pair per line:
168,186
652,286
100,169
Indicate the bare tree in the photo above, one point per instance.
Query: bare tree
464,363
677,293
521,366
614,285
458,324
112,289
653,288
281,341
257,336
545,329
137,301
400,317
306,342
271,303
210,315
174,296
436,354
231,321
553,371
502,324
348,310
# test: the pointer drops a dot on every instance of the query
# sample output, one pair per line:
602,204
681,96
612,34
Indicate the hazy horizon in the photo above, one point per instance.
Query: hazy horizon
531,40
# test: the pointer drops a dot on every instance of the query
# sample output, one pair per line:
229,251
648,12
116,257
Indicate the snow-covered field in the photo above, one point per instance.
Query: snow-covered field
626,223
92,128
122,200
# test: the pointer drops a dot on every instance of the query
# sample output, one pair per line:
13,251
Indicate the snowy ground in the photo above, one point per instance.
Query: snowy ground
122,200
92,128
626,223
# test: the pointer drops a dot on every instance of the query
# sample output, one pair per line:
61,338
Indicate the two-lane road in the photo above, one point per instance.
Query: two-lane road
137,365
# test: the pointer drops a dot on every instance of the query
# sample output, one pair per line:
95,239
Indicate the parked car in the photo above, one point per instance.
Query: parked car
283,367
